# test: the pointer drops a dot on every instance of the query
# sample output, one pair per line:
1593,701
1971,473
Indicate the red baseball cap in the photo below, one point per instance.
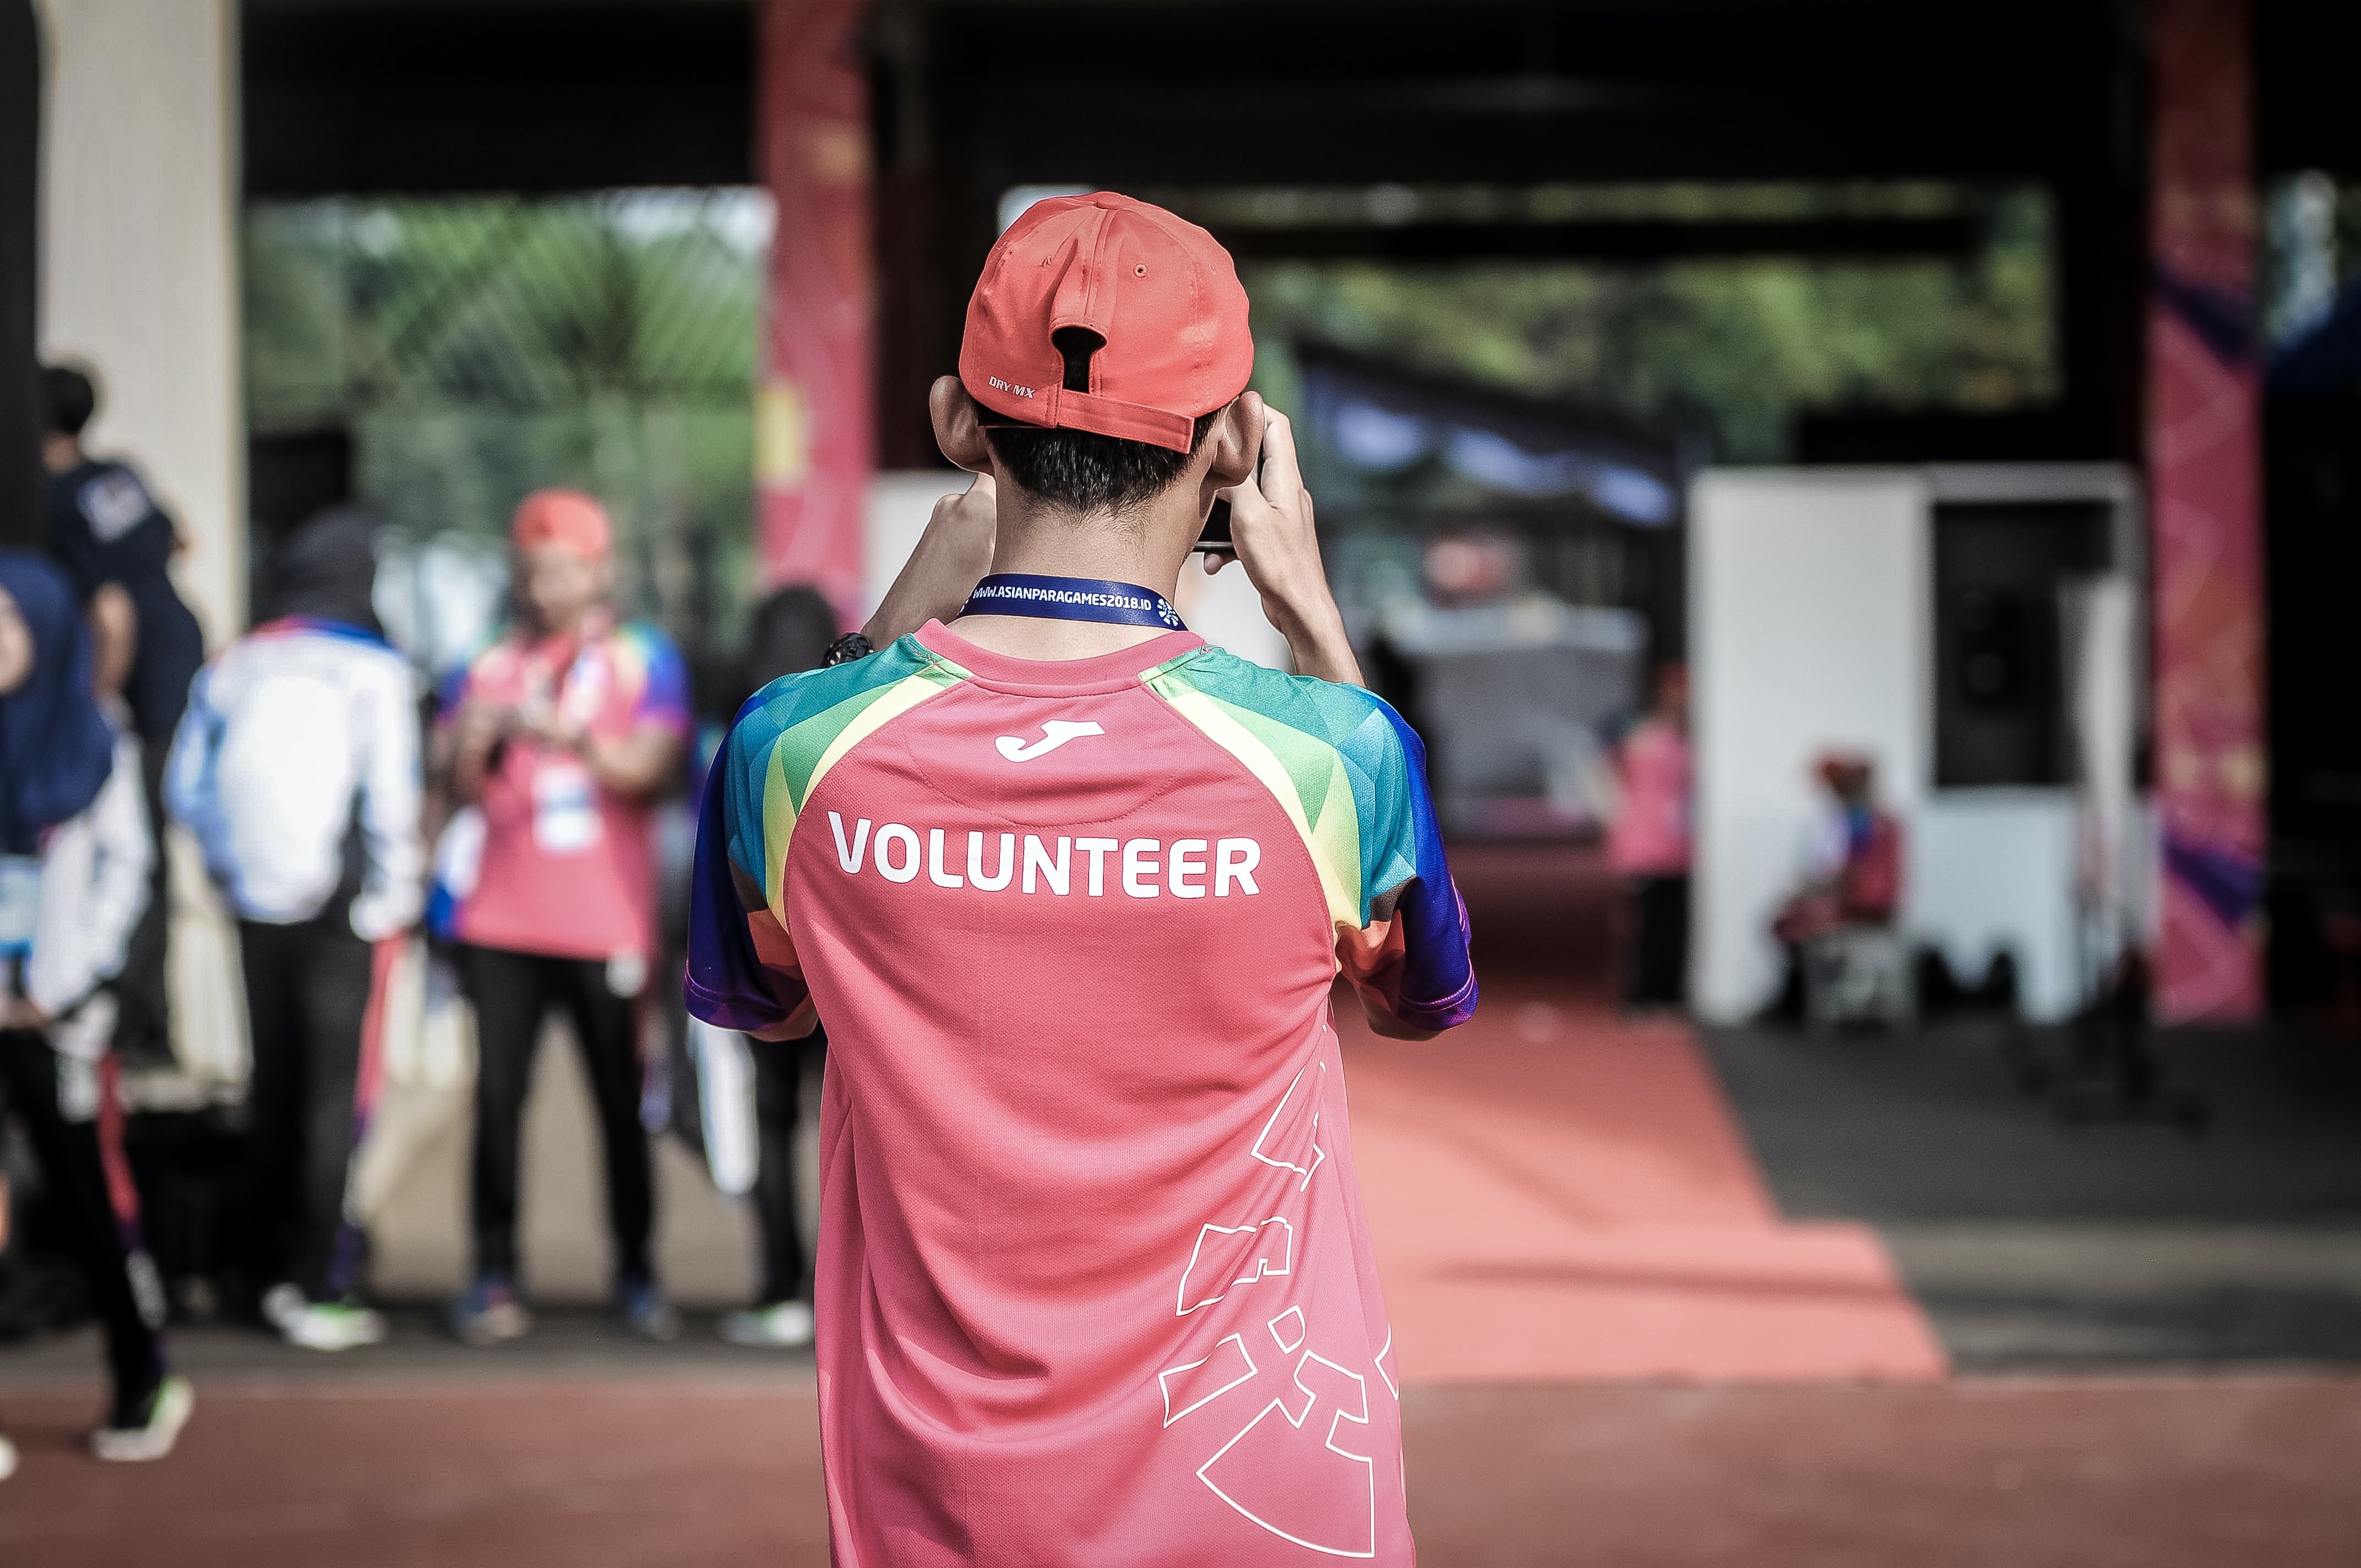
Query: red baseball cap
1159,295
567,518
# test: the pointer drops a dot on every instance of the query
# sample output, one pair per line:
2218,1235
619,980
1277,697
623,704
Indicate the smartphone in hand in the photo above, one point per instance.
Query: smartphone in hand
1216,537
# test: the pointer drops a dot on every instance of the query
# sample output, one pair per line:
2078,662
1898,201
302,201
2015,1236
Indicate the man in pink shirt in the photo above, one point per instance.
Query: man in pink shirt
1071,889
564,734
1649,845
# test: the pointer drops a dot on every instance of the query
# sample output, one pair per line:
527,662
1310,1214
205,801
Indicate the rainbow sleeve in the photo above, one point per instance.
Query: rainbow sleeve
1352,777
742,969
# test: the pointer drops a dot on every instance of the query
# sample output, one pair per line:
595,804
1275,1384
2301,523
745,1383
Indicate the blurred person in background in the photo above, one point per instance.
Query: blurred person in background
1649,845
790,633
116,544
1853,869
297,768
564,732
74,852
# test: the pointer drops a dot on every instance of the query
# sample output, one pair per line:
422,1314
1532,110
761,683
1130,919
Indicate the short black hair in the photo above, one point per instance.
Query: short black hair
1089,473
67,399
1079,470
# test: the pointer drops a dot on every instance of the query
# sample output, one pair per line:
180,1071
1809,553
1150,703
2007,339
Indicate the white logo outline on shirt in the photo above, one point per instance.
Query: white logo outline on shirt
1244,1256
1230,1256
1335,1431
1318,1154
1164,1378
1055,733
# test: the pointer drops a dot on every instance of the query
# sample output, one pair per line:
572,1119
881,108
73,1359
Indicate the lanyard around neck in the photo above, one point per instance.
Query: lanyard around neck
1073,599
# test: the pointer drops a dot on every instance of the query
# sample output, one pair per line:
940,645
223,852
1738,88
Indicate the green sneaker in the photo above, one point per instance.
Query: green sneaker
168,1412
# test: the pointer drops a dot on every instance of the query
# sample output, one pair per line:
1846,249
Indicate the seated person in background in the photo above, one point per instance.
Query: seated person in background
297,770
74,852
1854,876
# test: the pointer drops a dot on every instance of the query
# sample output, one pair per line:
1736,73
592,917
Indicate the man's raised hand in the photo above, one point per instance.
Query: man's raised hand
1271,526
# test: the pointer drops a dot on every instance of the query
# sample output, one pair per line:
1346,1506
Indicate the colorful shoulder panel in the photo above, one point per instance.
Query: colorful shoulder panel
651,671
1351,775
742,971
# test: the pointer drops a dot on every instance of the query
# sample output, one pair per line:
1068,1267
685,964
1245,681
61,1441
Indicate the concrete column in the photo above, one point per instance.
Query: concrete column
138,259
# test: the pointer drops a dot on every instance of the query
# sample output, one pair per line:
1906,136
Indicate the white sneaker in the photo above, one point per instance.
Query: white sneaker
783,1327
334,1325
8,1459
321,1325
168,1412
281,1305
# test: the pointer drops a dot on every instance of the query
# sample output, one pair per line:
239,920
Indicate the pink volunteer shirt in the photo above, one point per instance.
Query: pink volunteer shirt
1651,836
1094,1284
568,866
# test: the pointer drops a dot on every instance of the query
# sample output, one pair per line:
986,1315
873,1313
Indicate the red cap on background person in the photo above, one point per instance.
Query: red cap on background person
1106,315
566,518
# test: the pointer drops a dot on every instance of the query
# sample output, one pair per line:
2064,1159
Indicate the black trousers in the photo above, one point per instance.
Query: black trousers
307,994
142,1019
778,1093
1657,954
512,993
124,1289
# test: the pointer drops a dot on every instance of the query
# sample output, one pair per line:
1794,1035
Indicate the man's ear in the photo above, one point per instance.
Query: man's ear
958,430
1235,440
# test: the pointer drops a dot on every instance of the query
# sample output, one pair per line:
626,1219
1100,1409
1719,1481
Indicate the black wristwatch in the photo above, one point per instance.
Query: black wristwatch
847,648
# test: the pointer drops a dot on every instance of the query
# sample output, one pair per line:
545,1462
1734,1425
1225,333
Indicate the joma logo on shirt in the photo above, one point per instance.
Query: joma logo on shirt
1054,734
1143,868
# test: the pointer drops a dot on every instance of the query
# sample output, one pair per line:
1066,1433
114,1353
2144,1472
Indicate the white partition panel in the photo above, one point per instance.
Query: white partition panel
1809,617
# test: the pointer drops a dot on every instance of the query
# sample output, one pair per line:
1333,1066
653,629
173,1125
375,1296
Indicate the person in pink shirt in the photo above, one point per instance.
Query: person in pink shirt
1072,889
562,734
1649,845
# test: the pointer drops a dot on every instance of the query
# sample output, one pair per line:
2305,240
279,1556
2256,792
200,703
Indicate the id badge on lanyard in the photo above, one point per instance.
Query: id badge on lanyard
20,905
565,819
565,805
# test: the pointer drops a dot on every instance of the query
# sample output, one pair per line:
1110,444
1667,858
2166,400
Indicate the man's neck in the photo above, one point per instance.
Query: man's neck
540,630
1035,541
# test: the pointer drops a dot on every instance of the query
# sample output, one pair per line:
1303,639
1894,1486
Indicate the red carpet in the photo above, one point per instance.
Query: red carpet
1558,1193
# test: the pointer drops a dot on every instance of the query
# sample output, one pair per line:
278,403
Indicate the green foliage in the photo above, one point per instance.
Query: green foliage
1734,348
481,348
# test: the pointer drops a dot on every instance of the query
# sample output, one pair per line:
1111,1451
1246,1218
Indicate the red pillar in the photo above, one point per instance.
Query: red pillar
2204,427
814,449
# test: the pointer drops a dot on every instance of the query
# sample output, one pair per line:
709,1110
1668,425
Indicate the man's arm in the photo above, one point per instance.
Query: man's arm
952,556
1271,520
115,628
742,971
1410,959
1383,1021
466,746
639,765
392,884
191,776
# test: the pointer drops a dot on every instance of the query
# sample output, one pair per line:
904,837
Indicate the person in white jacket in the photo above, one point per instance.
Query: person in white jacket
74,858
296,766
